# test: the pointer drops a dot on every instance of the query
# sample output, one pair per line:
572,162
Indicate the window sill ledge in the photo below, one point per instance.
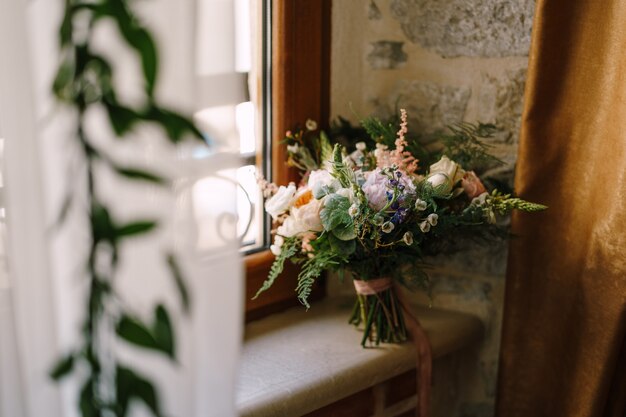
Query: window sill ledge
297,361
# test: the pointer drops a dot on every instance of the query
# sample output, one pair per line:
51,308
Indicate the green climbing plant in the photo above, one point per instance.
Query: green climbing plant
84,81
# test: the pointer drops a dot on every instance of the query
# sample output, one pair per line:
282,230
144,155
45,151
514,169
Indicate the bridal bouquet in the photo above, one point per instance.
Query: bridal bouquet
374,212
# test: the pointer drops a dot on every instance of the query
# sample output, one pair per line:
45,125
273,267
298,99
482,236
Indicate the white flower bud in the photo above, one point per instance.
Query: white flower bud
361,146
425,226
353,210
388,227
420,205
408,238
275,250
432,219
311,124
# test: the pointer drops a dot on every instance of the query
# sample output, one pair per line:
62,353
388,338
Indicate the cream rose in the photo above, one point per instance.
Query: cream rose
281,201
302,219
445,173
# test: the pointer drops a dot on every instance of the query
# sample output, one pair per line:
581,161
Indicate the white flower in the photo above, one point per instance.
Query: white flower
378,219
481,199
311,124
360,146
408,238
305,218
289,228
281,201
293,148
432,219
322,183
425,226
445,173
276,248
420,205
388,227
353,210
491,217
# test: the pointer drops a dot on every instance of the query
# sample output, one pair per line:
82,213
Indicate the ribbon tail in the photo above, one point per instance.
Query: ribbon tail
424,357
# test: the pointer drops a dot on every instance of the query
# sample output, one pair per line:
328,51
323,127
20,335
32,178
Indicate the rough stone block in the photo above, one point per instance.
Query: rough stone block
502,101
452,28
373,11
476,259
431,107
387,55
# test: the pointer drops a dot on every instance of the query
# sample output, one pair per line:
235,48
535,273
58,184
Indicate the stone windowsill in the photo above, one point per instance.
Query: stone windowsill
296,362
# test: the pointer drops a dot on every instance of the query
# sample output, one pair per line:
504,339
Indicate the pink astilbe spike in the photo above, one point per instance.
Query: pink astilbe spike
399,157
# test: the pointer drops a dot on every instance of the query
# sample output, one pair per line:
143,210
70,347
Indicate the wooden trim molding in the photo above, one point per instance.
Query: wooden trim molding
300,91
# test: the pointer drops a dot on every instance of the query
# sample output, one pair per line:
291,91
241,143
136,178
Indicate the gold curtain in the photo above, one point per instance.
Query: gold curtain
563,346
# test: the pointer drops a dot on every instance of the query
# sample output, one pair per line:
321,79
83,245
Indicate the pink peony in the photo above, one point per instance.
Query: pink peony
376,186
472,185
375,189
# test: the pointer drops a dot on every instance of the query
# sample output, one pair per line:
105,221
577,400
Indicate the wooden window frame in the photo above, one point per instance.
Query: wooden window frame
300,85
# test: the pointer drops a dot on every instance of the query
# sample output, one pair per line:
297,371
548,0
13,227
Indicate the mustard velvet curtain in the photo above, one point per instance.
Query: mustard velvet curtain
563,348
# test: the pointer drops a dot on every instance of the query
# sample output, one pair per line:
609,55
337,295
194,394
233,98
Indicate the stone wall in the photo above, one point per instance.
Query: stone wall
445,61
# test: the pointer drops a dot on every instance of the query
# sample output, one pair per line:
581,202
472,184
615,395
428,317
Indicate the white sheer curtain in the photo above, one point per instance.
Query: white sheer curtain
42,289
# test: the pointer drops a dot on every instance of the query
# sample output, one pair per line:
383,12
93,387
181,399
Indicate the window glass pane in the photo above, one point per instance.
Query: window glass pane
232,116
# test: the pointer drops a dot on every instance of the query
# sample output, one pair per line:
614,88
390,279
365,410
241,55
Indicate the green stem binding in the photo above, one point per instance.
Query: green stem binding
382,318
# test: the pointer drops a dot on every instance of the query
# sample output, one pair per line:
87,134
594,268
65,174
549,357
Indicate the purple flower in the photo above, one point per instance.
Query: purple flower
399,216
376,188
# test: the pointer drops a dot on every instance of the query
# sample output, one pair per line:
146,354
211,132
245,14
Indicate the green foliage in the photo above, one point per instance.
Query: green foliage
140,175
179,281
63,367
335,212
335,217
326,149
311,270
339,170
504,203
466,145
381,132
133,387
159,336
84,80
289,249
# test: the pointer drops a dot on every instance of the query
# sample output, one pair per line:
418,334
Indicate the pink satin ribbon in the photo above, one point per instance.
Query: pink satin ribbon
423,349
373,286
424,368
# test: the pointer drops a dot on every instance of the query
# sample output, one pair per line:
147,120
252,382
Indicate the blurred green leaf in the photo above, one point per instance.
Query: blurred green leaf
122,118
135,228
163,332
175,125
87,401
160,337
101,224
140,175
131,386
63,80
135,332
65,31
138,38
62,367
179,281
